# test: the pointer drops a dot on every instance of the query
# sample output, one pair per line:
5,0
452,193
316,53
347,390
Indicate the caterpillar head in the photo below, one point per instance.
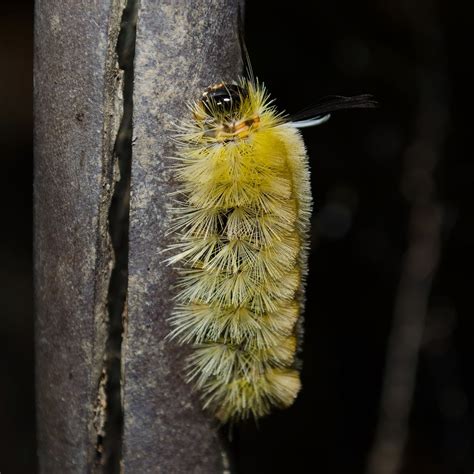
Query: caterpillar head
225,112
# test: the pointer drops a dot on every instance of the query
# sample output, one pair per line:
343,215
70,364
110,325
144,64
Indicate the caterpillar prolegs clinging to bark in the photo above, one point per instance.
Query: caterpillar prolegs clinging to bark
244,205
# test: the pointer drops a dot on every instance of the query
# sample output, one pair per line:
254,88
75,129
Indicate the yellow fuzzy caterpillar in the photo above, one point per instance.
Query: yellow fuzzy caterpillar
242,224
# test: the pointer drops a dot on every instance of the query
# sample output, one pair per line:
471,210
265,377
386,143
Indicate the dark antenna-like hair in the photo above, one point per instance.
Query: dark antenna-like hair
243,47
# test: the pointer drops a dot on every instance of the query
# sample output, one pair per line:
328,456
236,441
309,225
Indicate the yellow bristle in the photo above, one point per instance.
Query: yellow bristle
241,230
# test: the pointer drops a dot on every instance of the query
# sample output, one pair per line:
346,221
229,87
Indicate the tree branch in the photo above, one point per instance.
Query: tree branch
77,109
181,48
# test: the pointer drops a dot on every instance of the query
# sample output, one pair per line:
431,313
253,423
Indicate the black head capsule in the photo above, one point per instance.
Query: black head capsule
224,113
223,99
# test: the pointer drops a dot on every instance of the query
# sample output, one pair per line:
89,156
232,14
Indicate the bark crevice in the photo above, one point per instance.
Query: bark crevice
109,437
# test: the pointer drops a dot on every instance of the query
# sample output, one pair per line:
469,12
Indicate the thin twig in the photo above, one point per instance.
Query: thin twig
423,253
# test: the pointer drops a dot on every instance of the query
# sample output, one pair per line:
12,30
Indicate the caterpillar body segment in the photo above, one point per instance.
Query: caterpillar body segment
242,222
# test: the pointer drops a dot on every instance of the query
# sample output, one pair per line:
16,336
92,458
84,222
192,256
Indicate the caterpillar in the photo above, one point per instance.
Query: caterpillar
242,224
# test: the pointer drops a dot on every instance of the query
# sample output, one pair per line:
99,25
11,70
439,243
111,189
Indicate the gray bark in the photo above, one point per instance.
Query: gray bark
181,48
77,111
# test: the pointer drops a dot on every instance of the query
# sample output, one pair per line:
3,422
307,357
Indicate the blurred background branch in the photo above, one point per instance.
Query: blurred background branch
421,260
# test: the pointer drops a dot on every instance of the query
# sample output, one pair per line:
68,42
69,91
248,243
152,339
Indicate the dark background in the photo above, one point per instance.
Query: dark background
407,54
